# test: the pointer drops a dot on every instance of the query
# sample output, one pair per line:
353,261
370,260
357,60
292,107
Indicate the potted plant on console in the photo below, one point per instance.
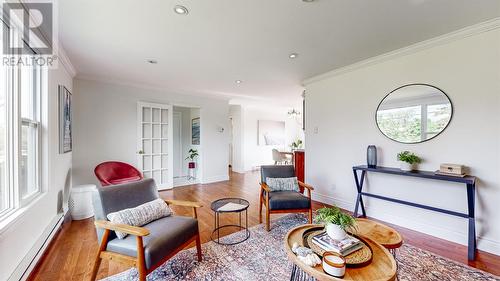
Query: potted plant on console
408,161
336,222
192,155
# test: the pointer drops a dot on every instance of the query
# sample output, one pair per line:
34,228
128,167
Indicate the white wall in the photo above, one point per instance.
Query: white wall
106,128
254,155
342,106
21,240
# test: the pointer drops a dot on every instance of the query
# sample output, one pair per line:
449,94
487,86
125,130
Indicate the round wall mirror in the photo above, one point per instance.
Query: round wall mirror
414,113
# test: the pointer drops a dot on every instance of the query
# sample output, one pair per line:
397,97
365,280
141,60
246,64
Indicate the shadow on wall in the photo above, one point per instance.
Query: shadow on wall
63,195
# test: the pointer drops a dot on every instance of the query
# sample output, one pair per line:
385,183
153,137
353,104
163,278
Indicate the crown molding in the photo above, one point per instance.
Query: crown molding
118,82
66,62
433,42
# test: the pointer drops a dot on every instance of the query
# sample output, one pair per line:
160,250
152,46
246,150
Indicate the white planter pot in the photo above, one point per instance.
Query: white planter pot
335,232
407,166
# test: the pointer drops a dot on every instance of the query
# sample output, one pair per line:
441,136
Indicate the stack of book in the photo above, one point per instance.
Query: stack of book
343,247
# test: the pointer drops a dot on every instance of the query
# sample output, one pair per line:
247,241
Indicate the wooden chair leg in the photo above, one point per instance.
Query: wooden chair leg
95,269
268,220
310,216
102,247
268,215
198,247
141,261
260,207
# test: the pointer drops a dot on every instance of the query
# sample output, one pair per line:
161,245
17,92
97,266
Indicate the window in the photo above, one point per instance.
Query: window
29,183
20,132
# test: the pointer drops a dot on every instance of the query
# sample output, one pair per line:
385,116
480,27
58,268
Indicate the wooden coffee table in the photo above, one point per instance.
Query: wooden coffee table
382,234
382,268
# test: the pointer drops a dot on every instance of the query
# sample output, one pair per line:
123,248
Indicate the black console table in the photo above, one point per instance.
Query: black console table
469,181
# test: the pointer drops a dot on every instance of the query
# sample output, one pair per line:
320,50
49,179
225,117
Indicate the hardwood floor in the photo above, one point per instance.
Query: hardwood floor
71,254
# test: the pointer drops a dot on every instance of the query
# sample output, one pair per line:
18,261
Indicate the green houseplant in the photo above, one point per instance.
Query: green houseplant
336,222
192,155
296,144
408,160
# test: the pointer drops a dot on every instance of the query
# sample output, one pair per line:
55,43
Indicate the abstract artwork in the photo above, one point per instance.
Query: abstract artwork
271,132
65,120
195,131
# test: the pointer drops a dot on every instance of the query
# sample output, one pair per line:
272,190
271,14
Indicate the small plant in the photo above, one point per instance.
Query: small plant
335,216
296,144
409,157
193,153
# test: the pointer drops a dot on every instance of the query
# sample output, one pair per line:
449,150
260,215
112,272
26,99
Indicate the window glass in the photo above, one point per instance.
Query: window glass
402,124
28,175
28,161
438,117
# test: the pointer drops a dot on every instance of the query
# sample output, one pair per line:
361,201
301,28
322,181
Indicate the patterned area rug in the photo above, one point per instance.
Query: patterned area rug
262,257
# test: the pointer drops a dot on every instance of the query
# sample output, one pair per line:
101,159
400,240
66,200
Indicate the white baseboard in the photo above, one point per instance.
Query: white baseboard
28,263
484,244
215,179
346,205
238,170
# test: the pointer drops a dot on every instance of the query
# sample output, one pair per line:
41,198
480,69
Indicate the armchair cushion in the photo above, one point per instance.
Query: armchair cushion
166,234
283,184
140,215
118,197
286,200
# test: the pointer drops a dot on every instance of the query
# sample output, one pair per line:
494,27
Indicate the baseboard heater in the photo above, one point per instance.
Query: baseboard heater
29,262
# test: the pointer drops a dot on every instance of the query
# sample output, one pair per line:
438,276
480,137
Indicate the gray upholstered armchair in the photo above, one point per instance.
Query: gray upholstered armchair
145,247
283,201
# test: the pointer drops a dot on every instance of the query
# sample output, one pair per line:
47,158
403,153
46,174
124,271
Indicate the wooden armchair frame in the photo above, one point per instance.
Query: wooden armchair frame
264,200
139,232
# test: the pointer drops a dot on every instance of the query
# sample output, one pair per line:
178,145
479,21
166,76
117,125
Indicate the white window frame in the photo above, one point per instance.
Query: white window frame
14,124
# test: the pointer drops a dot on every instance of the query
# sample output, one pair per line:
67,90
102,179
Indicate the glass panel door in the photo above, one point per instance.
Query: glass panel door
155,134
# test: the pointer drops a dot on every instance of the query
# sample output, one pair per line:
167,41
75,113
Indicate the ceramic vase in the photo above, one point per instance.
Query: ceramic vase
371,156
335,231
407,166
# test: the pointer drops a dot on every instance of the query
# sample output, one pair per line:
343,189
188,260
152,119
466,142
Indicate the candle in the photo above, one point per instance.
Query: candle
333,264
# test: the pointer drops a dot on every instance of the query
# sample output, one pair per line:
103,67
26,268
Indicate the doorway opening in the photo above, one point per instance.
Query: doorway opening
186,153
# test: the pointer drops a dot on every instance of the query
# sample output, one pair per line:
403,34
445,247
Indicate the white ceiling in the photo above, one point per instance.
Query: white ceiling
221,41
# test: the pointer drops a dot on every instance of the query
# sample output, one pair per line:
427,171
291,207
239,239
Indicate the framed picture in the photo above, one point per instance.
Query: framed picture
65,120
271,132
195,131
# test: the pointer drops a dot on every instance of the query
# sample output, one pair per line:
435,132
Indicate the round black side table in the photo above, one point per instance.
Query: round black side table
230,205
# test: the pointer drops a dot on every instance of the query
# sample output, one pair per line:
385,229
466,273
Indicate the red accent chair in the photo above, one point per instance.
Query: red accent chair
114,172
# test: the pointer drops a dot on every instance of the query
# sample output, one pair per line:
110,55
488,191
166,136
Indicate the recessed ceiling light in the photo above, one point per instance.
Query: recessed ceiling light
293,55
181,10
238,81
152,61
308,1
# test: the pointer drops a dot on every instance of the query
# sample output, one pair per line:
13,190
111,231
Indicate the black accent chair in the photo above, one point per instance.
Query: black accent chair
283,201
145,247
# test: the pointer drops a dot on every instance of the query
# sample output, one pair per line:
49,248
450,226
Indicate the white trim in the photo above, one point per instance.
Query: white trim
237,170
215,179
433,42
66,62
30,260
484,244
344,204
119,82
170,170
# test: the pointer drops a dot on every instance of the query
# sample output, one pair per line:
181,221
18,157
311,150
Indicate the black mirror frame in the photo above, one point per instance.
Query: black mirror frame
413,84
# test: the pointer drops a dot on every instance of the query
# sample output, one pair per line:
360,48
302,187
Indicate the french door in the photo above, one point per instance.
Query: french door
155,143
